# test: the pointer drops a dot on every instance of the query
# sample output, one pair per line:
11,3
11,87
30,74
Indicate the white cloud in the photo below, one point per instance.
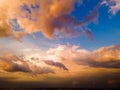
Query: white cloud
114,5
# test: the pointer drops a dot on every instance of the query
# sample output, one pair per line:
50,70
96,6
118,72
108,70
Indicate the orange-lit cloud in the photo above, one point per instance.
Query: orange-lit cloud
7,65
63,57
49,17
106,57
84,68
12,63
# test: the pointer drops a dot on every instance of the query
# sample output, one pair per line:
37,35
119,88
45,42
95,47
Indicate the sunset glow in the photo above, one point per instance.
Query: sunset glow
59,43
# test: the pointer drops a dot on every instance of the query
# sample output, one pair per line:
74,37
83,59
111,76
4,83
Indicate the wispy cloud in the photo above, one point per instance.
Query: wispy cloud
114,5
56,64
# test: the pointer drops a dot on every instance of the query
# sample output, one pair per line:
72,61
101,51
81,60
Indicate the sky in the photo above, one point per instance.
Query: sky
60,43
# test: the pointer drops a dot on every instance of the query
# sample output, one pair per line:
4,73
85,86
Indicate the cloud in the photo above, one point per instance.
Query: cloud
63,51
5,30
106,64
114,5
51,18
48,17
89,34
9,66
19,35
56,64
85,67
12,63
105,57
65,57
41,70
94,78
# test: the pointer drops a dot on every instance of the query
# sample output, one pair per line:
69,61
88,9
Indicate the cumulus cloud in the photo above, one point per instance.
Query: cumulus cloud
64,57
52,18
105,57
61,53
61,57
48,17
